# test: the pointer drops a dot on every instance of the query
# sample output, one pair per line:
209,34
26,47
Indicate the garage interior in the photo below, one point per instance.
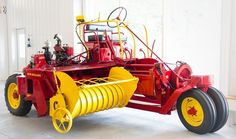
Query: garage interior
200,33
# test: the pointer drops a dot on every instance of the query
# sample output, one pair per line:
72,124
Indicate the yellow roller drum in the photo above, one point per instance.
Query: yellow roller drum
78,98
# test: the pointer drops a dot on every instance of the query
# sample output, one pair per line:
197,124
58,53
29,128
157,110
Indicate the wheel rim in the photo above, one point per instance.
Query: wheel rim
13,96
192,111
62,120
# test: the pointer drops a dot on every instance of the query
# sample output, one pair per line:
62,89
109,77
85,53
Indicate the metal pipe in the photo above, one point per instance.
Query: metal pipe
148,48
153,47
146,34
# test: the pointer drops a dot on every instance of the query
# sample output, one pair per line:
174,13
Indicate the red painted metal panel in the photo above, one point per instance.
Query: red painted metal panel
84,67
40,101
146,84
22,85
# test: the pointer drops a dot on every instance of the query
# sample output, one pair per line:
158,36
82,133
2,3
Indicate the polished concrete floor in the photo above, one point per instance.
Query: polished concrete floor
124,123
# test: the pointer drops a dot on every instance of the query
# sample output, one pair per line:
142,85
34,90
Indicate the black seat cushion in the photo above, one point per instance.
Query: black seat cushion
92,38
93,27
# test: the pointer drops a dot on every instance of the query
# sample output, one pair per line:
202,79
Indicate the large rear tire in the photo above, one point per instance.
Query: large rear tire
196,111
14,101
222,108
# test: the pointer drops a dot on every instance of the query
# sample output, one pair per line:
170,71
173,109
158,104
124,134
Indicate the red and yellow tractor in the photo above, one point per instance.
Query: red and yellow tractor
107,75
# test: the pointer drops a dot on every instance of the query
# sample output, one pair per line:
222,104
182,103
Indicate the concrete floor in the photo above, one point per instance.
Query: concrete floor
124,123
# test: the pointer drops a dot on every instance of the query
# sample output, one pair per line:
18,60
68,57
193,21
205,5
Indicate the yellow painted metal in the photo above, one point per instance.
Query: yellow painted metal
195,119
83,105
117,22
119,36
82,37
56,102
94,100
80,32
14,102
146,34
80,18
129,81
92,95
62,120
120,95
105,97
55,79
89,100
133,38
100,21
99,98
114,94
69,90
110,97
134,47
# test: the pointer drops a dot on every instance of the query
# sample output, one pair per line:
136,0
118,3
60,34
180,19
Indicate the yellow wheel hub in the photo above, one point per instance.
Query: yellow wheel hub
192,111
13,96
62,120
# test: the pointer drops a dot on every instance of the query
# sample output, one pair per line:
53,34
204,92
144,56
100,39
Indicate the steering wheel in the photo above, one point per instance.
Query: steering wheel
121,14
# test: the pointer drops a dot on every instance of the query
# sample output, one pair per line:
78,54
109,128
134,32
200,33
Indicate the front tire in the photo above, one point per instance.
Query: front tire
14,101
196,111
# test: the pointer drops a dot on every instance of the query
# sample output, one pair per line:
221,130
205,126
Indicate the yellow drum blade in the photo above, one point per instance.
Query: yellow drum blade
105,98
94,99
89,100
110,97
83,105
120,95
99,98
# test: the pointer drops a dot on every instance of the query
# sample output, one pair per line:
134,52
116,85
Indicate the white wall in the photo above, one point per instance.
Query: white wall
78,10
192,33
228,69
41,20
3,43
225,44
232,52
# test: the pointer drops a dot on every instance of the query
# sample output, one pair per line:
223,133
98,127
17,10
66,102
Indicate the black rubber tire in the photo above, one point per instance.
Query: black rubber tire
222,108
209,111
24,107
